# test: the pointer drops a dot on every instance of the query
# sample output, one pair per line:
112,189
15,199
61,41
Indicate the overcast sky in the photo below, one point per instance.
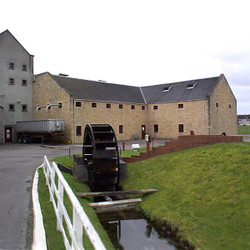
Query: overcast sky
137,42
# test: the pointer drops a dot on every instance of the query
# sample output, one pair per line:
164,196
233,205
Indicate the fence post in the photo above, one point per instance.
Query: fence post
77,226
59,208
52,182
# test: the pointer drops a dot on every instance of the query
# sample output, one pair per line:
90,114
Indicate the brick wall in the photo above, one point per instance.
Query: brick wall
183,142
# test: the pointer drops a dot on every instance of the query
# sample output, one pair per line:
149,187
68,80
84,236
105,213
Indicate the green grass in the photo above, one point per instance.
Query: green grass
53,237
243,129
203,192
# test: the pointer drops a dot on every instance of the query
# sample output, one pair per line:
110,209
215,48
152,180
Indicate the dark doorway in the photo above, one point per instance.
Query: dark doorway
8,134
143,131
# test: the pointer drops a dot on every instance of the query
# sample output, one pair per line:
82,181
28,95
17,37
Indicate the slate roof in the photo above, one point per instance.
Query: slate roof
103,91
99,91
179,91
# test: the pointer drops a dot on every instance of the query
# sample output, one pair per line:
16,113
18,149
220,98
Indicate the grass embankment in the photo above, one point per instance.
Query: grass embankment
203,192
53,237
243,130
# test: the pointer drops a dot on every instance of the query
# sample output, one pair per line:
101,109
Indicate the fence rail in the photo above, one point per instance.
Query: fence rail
57,186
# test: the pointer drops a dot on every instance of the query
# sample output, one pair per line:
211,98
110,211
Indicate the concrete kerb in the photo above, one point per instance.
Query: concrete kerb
39,237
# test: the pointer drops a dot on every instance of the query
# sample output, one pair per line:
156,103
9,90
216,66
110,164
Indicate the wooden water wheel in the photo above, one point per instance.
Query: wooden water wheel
100,154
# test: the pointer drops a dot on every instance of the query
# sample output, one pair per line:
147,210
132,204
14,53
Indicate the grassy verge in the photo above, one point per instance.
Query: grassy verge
203,192
243,129
53,237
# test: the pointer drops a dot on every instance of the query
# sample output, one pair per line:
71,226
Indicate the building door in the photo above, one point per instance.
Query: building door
143,131
8,134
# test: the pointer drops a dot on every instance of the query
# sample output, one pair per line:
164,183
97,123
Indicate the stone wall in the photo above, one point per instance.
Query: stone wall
168,116
47,91
130,119
223,110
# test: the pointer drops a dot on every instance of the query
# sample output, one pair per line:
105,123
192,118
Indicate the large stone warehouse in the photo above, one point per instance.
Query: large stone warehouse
205,106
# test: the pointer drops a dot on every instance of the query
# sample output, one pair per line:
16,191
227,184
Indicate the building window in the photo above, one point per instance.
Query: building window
11,66
78,104
24,108
120,129
11,81
93,104
108,105
24,82
24,67
181,128
143,107
132,106
156,128
230,106
180,106
120,106
155,107
217,105
78,130
12,107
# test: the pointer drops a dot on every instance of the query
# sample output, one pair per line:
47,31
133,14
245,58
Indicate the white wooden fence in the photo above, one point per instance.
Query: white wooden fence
80,219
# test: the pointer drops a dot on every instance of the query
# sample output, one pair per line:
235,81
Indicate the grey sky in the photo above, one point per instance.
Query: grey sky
136,42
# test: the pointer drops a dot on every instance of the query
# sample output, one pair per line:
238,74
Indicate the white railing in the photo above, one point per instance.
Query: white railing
80,219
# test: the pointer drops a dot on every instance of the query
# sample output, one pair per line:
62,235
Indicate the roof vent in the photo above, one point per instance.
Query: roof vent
191,85
167,88
102,81
65,75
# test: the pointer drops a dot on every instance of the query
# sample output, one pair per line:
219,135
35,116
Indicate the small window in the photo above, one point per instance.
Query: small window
11,66
155,107
24,108
180,106
229,106
12,107
11,81
132,106
24,67
217,105
120,106
108,105
156,128
93,104
78,104
78,130
24,82
143,107
120,129
181,128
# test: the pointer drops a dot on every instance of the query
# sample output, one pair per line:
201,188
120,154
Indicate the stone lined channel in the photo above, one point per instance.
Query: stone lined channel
130,230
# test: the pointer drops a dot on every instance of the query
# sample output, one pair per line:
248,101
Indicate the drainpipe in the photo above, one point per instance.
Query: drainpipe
204,130
74,122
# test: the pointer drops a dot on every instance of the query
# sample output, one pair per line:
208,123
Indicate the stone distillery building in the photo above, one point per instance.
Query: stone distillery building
201,106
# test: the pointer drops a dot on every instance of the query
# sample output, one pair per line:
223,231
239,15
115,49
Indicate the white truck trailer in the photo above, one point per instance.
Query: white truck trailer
28,131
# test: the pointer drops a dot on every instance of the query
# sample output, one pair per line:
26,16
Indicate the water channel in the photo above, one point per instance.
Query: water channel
130,230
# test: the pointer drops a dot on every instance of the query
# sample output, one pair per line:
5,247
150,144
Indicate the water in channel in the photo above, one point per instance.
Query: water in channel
130,230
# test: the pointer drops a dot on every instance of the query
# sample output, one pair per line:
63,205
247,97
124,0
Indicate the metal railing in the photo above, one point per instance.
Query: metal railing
57,186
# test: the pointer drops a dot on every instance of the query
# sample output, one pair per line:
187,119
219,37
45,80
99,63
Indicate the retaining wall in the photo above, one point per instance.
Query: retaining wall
183,142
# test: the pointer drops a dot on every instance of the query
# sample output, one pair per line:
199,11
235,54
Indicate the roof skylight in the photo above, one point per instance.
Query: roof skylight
167,88
191,85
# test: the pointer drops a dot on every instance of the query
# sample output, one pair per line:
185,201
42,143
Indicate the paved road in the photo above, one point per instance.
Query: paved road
17,166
